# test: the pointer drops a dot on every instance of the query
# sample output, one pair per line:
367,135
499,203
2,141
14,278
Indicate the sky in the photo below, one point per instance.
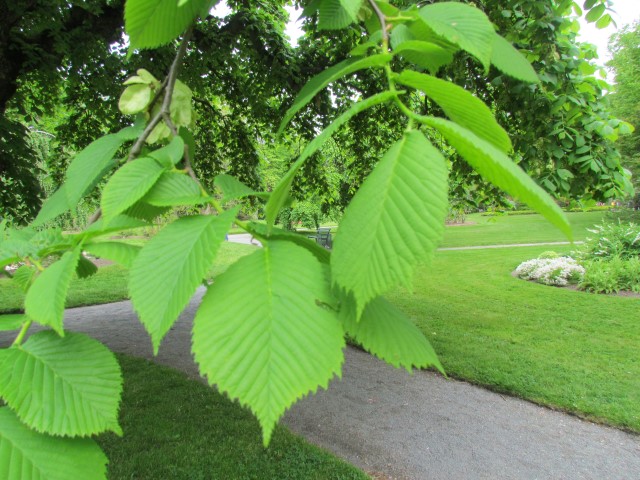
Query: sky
625,12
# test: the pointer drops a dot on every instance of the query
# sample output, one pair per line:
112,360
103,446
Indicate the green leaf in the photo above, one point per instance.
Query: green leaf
425,54
231,187
500,170
135,80
387,333
53,207
116,224
322,254
170,267
174,188
604,21
189,141
135,99
462,25
336,14
329,75
27,455
44,301
400,34
23,276
460,106
262,334
352,7
69,386
128,185
151,23
311,8
85,267
12,322
18,243
171,154
134,131
281,192
595,13
160,132
147,76
144,211
394,222
89,166
181,104
123,253
506,58
49,241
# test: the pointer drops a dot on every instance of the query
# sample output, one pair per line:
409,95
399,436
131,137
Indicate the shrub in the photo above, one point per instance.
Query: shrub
558,271
626,214
306,214
611,276
612,240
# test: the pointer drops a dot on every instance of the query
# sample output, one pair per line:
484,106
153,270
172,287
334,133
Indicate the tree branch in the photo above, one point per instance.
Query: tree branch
165,110
168,85
383,23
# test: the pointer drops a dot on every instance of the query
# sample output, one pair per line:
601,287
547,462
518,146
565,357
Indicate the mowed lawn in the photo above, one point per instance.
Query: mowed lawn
563,348
177,428
514,229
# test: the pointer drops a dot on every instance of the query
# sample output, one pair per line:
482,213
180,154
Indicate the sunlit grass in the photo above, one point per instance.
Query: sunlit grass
513,229
563,348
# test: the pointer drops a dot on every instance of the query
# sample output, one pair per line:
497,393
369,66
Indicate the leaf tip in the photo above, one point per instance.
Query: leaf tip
267,433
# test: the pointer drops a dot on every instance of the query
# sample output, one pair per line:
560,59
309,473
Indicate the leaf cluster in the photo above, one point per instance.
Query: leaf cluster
270,329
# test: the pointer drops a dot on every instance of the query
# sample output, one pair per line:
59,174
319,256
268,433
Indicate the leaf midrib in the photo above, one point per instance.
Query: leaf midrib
385,197
66,382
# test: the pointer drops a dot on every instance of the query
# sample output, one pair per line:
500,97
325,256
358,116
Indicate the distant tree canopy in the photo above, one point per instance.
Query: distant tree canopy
69,60
562,131
74,57
625,101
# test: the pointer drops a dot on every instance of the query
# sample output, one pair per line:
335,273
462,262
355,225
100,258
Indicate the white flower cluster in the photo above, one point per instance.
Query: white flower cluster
550,271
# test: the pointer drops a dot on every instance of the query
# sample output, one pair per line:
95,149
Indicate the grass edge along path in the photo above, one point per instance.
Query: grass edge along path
568,350
109,284
178,428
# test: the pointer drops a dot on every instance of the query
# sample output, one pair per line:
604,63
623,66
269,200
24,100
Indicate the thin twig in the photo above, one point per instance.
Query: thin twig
167,86
383,22
165,110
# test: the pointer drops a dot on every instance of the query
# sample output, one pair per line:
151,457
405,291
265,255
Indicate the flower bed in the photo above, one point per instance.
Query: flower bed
560,271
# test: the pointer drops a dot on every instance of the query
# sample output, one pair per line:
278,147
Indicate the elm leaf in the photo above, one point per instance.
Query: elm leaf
25,454
263,335
169,268
394,221
68,386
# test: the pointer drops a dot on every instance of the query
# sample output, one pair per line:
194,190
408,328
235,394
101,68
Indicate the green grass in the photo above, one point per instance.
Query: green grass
567,349
109,284
178,428
516,229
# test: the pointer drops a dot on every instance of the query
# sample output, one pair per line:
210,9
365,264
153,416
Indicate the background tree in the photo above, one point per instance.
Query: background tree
562,132
625,99
73,57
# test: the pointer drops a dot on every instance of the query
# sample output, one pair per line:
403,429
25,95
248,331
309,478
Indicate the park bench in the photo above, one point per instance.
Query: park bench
323,237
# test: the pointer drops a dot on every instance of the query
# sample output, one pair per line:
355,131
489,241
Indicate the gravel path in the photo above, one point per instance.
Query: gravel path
404,426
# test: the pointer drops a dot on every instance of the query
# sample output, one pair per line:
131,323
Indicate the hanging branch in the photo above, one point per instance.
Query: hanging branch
167,86
165,112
